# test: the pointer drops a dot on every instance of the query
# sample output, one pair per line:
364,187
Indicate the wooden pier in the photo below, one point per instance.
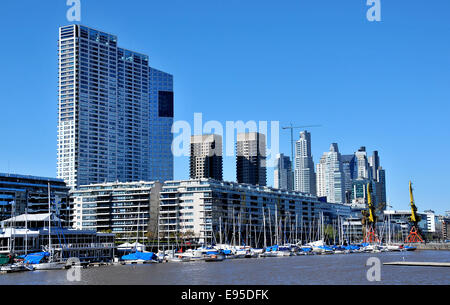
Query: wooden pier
418,264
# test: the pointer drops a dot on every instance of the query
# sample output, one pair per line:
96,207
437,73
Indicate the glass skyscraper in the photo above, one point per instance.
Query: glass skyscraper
305,177
115,112
330,176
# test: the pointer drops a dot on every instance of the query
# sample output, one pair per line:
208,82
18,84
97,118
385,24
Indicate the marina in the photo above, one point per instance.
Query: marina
337,269
41,243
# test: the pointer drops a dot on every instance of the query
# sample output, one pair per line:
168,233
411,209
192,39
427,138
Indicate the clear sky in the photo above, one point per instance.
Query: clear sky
383,85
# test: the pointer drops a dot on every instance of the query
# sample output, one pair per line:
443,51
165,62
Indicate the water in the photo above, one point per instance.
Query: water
338,269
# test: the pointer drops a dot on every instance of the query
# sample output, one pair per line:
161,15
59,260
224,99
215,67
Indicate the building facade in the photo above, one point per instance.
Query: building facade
401,217
115,112
206,160
362,164
251,158
215,212
21,194
330,176
348,164
27,234
283,175
305,176
129,210
320,177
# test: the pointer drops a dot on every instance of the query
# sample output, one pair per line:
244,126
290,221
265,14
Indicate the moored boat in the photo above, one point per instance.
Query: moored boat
214,256
43,261
139,258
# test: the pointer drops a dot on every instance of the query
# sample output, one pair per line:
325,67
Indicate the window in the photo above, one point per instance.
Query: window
166,100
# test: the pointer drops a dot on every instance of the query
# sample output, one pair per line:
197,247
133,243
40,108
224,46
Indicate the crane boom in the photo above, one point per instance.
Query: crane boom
370,219
414,217
292,136
415,234
370,203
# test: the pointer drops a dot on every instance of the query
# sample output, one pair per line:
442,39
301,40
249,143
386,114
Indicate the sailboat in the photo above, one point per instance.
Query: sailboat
8,262
319,246
140,256
46,260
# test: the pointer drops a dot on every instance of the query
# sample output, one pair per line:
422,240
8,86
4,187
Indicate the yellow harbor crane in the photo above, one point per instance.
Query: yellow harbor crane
370,218
414,235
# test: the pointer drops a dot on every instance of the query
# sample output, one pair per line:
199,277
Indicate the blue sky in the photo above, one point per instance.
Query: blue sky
381,85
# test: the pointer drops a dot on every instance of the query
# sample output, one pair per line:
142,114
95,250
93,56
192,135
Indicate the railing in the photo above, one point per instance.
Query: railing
62,247
87,246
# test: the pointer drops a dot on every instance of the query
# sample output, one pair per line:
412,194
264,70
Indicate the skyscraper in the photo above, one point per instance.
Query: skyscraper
335,175
206,157
283,175
348,166
251,158
115,112
305,177
381,186
374,163
320,176
362,167
330,176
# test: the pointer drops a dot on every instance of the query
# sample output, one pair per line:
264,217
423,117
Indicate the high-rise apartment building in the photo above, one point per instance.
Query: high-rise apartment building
115,112
283,175
218,212
348,166
320,177
206,157
362,163
251,158
305,177
129,210
330,176
374,163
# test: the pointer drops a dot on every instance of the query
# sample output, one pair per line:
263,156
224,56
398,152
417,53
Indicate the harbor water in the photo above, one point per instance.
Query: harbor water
337,269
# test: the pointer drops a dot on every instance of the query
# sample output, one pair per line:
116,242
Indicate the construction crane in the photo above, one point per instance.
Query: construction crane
414,235
370,218
292,128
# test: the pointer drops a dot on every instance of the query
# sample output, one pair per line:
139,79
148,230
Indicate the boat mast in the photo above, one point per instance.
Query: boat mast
322,226
264,226
302,230
240,228
270,228
220,229
26,228
256,236
138,223
12,240
49,222
249,227
159,224
276,225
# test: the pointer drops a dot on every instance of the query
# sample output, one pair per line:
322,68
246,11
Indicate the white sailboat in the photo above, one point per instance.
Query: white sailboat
51,263
14,266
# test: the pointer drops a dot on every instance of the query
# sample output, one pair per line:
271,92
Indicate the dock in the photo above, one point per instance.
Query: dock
418,264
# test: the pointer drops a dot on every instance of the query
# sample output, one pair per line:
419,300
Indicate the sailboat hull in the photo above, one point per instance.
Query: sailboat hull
50,266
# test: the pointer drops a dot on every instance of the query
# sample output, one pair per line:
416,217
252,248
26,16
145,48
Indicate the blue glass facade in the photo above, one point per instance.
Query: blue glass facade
20,194
110,128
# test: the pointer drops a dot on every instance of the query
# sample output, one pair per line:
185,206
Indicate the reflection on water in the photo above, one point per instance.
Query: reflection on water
300,270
